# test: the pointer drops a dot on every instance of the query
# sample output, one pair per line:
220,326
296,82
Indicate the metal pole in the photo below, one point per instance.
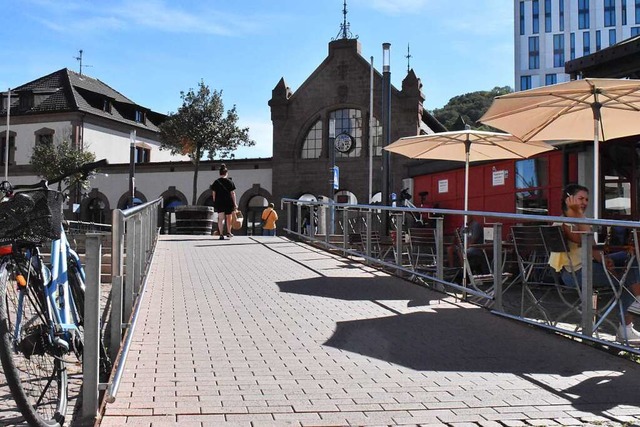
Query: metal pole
386,131
6,145
132,167
371,133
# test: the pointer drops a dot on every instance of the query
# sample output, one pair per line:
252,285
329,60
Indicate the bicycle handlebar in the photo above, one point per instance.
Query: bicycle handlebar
84,169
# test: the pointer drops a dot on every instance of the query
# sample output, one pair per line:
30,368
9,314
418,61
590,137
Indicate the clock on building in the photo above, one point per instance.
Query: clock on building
344,142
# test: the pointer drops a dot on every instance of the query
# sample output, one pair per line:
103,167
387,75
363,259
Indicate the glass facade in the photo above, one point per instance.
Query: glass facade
535,16
586,43
612,37
547,16
561,15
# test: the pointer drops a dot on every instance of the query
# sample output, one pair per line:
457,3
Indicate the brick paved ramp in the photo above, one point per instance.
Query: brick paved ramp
269,332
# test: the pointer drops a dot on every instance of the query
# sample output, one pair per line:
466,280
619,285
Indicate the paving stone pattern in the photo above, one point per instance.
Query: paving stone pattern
269,332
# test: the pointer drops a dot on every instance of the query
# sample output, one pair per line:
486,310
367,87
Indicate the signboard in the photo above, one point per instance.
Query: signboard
336,177
443,186
498,177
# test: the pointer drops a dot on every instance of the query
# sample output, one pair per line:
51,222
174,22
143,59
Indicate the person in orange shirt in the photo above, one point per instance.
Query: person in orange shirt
269,218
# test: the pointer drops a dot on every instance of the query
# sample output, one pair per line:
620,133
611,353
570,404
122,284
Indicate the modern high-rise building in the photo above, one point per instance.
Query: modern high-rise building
550,32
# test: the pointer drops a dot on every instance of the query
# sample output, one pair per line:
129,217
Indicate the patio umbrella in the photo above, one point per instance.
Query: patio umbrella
589,110
468,146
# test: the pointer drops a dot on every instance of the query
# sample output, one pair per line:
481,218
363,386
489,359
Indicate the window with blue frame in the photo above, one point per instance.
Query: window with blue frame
637,11
522,18
572,46
623,15
583,14
550,79
609,13
535,16
612,37
598,40
558,50
547,16
534,53
586,43
561,15
635,31
525,82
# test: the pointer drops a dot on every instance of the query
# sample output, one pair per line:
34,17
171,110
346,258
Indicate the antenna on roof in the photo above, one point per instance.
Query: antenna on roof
345,32
408,56
79,59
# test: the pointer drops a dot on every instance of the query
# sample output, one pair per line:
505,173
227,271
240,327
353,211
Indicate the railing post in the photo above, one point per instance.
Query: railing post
118,231
368,234
399,237
587,284
497,266
91,352
440,247
130,261
300,221
345,230
139,253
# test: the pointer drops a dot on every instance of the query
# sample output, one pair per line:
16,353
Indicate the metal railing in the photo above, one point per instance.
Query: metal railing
134,234
337,221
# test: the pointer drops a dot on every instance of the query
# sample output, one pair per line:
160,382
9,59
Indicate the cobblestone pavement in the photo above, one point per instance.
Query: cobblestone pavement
269,332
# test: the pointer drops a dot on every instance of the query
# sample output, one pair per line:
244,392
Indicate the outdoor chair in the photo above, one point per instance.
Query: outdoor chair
479,266
423,250
605,297
539,281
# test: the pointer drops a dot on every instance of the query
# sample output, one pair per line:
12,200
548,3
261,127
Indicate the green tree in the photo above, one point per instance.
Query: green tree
470,107
200,128
50,160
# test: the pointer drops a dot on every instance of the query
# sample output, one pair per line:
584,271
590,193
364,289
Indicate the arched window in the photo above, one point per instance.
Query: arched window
346,124
312,146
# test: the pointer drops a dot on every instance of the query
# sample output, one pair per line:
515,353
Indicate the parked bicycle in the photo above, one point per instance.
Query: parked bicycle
41,305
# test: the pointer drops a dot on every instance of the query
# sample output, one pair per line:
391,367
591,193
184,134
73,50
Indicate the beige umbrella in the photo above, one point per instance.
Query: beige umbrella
467,146
589,110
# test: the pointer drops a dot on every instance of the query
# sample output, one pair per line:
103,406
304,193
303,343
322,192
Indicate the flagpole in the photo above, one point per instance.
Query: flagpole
371,134
6,145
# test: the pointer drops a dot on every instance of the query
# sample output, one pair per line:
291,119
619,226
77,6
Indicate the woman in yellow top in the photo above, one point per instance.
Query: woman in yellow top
575,199
269,218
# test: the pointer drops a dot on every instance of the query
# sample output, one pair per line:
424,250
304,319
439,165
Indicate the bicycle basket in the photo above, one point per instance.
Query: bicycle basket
31,216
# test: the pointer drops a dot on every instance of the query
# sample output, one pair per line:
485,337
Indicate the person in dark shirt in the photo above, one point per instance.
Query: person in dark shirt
224,200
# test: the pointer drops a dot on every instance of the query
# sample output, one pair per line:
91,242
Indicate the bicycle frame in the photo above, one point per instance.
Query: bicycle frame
60,303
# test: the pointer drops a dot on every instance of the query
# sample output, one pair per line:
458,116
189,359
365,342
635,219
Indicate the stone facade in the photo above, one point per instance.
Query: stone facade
341,81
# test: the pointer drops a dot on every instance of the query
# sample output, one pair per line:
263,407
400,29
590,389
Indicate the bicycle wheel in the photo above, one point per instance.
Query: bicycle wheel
34,371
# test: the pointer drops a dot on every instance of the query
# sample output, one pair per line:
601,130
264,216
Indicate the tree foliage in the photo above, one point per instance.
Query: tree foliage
50,160
470,107
200,128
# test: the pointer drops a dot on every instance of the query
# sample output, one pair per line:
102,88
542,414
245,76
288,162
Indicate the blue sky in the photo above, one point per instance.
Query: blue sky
150,50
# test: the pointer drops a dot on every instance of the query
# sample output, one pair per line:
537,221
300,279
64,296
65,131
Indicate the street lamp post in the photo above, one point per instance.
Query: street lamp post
132,167
386,131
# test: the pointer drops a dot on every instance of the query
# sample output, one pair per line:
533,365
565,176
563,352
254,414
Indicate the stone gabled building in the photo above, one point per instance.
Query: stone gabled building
327,119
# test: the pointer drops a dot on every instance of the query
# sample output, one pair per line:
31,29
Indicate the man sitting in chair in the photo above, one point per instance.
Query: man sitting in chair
475,256
575,199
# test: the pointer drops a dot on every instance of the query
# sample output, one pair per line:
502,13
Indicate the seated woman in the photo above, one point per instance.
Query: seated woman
575,199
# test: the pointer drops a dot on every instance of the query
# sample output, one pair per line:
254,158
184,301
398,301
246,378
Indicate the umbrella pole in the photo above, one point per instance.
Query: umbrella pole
465,234
596,161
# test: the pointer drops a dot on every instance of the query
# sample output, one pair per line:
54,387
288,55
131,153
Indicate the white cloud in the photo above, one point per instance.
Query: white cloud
160,15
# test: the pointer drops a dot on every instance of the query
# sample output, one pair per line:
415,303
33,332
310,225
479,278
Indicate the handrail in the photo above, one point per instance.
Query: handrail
138,228
361,219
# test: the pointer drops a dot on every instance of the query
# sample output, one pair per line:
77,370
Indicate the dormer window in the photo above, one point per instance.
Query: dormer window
26,101
106,106
140,116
